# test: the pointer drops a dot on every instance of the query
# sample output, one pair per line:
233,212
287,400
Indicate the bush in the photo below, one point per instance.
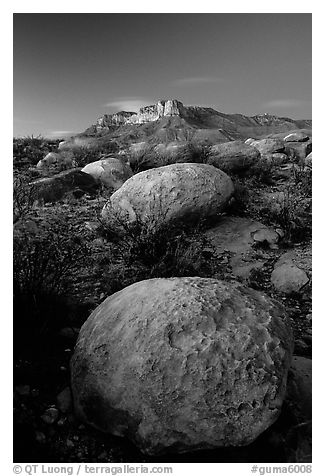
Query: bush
292,212
262,171
30,150
45,257
302,178
23,196
149,248
149,157
85,155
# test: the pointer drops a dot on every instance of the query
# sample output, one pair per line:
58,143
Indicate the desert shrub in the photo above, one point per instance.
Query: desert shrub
23,196
148,156
45,256
143,158
30,150
85,155
149,248
262,171
302,179
194,153
291,211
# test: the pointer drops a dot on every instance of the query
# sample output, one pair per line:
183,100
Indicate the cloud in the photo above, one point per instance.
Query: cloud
197,80
58,134
128,104
283,103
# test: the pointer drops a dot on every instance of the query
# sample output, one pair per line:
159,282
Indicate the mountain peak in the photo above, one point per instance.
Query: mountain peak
164,107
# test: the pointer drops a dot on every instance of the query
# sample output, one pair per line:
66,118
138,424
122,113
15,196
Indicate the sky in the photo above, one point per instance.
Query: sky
70,69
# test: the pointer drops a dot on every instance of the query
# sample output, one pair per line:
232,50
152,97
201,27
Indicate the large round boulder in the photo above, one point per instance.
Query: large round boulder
233,157
170,194
110,172
268,146
182,364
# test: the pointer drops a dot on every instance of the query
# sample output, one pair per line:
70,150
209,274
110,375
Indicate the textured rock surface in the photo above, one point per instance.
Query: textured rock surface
268,146
169,107
288,278
233,157
173,193
57,161
183,364
292,270
239,236
110,172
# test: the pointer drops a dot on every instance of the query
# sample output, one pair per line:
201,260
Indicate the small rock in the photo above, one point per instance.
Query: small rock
64,400
288,278
50,415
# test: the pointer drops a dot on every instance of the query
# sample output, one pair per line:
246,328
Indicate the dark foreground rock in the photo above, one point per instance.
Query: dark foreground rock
183,364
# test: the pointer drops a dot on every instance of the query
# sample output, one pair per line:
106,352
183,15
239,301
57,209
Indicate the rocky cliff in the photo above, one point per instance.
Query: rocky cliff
163,108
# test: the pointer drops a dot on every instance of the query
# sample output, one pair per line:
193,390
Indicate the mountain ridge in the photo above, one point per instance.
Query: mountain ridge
169,120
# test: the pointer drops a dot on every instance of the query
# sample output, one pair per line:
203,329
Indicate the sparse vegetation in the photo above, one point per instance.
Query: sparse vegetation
46,254
149,248
85,155
27,151
23,196
62,271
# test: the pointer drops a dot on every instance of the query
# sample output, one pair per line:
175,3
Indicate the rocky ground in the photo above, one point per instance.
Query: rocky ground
246,245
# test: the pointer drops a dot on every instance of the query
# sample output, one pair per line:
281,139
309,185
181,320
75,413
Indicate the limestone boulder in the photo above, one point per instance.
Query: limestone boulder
297,136
182,364
268,146
110,172
170,194
292,271
57,162
233,157
288,278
